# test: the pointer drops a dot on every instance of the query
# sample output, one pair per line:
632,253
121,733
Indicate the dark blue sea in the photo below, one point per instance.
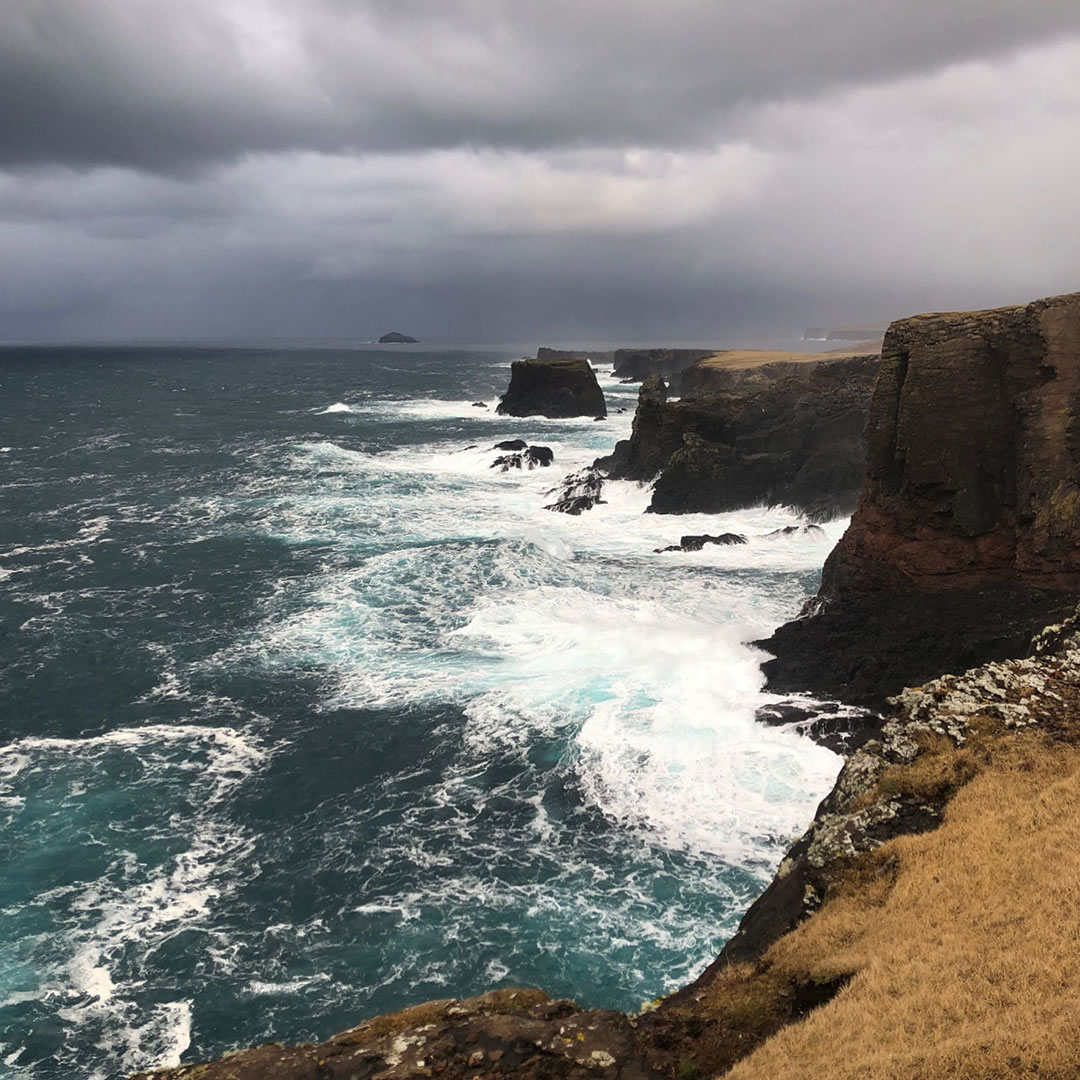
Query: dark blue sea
307,713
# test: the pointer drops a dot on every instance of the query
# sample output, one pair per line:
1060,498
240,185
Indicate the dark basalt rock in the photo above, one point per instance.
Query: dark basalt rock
597,358
796,530
479,404
966,539
559,389
528,457
511,444
696,543
395,338
580,491
636,365
784,432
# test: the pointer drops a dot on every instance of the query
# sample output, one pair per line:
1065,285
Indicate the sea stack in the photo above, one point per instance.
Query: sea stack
397,338
966,539
554,387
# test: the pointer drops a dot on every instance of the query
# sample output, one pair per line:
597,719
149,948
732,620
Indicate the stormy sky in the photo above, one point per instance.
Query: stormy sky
507,170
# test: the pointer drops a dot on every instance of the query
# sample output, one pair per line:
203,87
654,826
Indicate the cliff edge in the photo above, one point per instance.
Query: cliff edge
965,539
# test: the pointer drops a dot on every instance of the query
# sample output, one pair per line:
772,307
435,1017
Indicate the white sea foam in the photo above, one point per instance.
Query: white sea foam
337,407
134,907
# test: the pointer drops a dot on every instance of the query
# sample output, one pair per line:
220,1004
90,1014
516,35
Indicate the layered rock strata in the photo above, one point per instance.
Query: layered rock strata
785,432
965,540
557,388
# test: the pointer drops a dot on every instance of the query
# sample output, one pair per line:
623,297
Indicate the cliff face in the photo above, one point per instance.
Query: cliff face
972,454
965,540
781,432
557,388
636,365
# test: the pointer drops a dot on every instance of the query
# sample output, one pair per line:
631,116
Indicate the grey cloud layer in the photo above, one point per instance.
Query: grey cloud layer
626,170
168,86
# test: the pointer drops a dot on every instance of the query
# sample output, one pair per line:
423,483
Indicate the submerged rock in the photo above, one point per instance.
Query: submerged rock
579,491
527,457
557,388
696,543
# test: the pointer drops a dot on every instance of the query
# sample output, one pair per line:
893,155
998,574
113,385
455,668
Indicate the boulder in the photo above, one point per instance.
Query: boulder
696,543
526,457
966,539
557,388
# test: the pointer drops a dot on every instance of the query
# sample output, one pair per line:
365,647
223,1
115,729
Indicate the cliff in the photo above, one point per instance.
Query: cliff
636,365
553,387
964,542
784,431
894,930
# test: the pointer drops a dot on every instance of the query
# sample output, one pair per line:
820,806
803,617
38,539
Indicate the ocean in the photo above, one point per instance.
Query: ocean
307,713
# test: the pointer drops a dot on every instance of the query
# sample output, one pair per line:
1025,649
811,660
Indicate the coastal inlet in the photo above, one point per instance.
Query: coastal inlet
310,713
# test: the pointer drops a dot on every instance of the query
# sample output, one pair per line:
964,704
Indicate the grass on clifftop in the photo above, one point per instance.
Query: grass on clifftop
964,942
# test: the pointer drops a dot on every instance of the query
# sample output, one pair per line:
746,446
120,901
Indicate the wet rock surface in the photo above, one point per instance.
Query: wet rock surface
558,388
524,456
696,543
578,492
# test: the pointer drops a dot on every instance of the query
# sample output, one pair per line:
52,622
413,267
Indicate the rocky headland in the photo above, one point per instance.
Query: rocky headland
964,542
924,925
636,365
556,387
395,337
747,433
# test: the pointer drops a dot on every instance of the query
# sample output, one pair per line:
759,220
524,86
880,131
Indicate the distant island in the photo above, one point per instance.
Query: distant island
394,338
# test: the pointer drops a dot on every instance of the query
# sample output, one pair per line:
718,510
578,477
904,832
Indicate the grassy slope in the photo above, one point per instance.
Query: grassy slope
963,943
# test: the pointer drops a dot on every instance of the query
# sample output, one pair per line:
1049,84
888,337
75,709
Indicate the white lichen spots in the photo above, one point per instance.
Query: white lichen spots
602,1058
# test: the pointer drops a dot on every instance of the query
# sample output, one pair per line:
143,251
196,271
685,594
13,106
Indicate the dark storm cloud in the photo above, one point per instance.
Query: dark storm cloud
168,86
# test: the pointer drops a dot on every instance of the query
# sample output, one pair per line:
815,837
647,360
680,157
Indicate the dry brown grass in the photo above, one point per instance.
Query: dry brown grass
964,942
739,359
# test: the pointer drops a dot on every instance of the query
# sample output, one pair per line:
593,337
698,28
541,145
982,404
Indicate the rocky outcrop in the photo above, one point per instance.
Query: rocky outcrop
965,540
520,1032
785,432
636,365
397,338
698,543
522,456
557,388
601,358
579,491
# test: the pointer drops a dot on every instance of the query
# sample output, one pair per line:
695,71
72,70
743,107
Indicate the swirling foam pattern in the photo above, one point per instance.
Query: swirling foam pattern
309,713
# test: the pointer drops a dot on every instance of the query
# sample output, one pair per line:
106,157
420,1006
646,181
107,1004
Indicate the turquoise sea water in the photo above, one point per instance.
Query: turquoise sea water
307,714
